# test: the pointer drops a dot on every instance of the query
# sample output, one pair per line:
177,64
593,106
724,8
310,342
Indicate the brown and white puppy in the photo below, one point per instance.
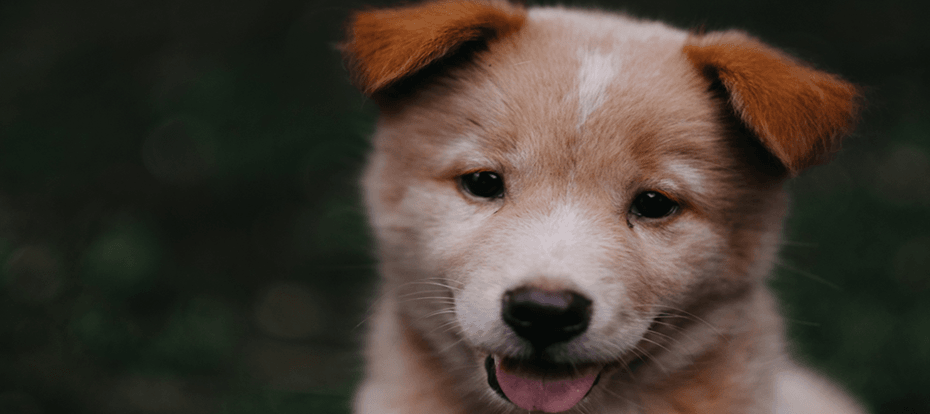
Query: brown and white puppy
576,211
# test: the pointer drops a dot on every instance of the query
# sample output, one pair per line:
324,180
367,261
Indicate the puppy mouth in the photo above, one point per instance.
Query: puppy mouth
537,385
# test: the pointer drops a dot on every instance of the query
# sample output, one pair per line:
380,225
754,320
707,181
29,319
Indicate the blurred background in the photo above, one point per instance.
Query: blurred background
180,228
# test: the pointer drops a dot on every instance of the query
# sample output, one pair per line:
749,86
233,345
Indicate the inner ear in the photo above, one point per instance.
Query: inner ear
746,144
716,88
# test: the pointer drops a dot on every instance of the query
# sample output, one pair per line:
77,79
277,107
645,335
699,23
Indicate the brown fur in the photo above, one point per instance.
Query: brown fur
388,45
580,112
799,113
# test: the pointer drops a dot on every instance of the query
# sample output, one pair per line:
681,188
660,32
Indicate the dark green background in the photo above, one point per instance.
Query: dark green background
180,229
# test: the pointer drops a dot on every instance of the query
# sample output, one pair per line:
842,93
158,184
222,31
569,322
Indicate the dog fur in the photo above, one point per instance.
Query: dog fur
581,112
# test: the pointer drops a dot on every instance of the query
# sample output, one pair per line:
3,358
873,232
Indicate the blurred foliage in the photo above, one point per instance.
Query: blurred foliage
181,232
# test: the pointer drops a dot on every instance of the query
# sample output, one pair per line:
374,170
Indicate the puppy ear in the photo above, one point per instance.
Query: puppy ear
800,114
385,46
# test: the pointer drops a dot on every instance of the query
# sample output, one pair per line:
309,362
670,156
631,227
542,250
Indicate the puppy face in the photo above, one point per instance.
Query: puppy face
546,203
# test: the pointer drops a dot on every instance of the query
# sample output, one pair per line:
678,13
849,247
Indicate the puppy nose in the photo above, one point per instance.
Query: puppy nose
545,317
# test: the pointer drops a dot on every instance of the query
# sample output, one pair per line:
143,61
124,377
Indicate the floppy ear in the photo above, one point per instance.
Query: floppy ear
385,46
798,113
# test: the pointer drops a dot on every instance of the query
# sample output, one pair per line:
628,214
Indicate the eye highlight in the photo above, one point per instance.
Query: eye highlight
653,205
484,184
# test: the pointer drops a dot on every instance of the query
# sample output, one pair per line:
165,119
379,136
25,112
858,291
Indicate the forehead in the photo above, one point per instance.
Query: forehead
572,94
589,86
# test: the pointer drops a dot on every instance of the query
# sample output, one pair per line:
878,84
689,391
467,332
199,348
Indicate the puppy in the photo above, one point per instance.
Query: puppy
575,211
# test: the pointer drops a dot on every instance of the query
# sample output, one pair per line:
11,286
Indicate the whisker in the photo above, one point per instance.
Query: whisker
808,275
583,407
622,397
451,345
649,357
798,243
656,343
805,323
689,316
677,328
440,312
438,282
420,292
669,339
446,327
433,282
438,299
369,313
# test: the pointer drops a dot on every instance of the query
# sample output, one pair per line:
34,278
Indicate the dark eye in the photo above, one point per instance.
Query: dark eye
651,204
484,184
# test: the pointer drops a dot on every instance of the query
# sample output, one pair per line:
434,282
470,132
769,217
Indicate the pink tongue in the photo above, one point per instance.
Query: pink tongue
548,396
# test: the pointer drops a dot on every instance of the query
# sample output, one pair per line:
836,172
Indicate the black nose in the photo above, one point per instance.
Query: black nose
545,317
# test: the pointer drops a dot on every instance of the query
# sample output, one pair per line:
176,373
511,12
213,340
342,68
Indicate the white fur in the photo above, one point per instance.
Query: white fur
683,172
594,77
803,392
567,245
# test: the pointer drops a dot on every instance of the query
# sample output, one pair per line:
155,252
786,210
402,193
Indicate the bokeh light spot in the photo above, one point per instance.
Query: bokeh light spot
122,260
201,334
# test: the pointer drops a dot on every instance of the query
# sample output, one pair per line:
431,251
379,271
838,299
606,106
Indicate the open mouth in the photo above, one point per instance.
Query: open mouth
541,386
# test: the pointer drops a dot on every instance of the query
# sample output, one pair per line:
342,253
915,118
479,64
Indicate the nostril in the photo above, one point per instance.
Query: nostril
528,305
545,317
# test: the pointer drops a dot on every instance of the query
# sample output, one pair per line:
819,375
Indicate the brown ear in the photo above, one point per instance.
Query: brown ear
800,114
385,46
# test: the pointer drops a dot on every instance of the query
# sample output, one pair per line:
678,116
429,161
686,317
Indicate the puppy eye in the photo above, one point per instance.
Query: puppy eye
484,184
651,204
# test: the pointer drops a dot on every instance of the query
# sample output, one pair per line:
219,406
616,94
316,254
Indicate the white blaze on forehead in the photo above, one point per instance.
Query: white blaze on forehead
595,75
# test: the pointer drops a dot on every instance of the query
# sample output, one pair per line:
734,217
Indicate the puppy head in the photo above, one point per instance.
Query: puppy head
548,186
